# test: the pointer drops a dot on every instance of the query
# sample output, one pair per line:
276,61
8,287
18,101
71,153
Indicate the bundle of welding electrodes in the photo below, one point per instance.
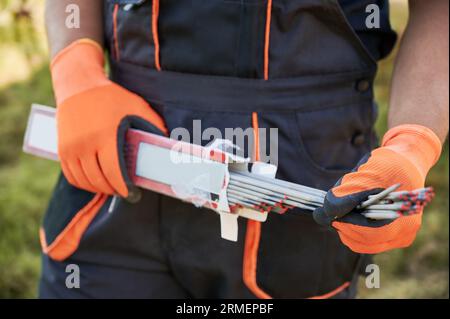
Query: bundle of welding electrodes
274,195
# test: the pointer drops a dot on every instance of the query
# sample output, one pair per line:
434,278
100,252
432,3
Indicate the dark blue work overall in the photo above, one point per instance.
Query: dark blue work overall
305,67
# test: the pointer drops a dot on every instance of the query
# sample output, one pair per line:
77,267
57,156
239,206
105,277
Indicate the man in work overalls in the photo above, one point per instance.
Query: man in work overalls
305,67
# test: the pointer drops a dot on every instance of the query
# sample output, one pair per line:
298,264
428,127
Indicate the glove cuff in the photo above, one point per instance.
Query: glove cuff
417,143
77,68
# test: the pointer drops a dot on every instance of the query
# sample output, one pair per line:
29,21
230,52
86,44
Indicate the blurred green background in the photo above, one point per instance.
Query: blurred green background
420,271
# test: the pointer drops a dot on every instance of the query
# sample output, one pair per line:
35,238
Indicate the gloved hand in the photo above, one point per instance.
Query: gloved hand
406,155
93,115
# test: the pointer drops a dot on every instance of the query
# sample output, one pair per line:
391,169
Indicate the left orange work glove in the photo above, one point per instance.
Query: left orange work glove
93,114
406,155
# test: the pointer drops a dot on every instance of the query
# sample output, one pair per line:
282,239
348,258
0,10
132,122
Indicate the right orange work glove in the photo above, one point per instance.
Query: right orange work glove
93,114
406,155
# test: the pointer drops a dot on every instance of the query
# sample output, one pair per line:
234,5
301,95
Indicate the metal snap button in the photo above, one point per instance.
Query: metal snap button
358,139
362,85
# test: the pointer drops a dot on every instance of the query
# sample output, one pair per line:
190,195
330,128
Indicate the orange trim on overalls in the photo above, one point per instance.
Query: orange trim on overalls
155,15
68,240
267,39
116,38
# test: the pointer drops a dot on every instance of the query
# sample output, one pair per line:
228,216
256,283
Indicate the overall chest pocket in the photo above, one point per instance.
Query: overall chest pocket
214,37
129,31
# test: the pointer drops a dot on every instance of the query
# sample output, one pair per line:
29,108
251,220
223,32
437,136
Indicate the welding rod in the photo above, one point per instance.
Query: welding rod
268,200
245,194
381,214
282,183
379,196
243,203
272,200
255,191
244,200
396,206
275,188
400,194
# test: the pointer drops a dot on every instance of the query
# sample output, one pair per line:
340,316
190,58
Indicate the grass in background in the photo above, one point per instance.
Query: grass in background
25,186
420,271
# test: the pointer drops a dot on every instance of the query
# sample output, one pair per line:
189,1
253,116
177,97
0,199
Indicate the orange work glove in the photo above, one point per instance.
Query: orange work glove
406,155
93,115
